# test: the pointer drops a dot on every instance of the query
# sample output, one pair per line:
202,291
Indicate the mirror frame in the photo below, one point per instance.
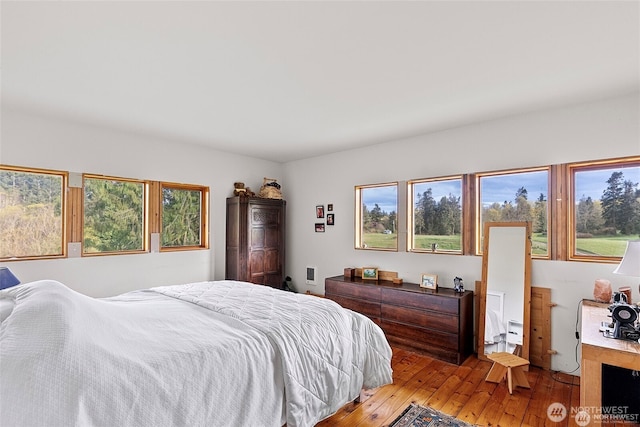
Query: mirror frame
527,287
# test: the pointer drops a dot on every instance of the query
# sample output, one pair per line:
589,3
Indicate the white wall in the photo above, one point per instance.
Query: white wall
45,142
605,129
590,131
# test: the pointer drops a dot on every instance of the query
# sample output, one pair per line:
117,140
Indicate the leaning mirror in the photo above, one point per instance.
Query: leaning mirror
505,289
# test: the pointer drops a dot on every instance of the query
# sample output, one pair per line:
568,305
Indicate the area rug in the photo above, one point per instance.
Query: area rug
421,416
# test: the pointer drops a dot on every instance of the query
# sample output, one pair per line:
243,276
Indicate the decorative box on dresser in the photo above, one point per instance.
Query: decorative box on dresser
438,323
255,240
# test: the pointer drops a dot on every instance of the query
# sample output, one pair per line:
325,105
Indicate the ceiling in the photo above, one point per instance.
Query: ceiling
296,79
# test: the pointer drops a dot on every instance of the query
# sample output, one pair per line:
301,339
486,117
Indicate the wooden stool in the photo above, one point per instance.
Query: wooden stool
509,365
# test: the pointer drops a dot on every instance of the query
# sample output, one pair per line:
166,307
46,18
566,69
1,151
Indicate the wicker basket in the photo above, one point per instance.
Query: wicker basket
270,189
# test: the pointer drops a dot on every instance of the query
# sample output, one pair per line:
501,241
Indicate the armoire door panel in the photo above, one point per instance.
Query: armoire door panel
256,263
271,237
255,240
271,261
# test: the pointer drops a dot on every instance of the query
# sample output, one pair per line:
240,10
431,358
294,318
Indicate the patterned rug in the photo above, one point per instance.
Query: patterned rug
420,416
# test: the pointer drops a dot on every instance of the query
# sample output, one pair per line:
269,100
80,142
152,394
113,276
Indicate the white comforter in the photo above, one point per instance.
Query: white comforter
211,353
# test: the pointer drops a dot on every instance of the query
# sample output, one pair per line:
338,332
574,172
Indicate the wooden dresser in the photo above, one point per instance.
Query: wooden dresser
438,323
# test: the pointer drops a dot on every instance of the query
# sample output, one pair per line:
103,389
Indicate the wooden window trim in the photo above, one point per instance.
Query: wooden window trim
156,214
478,206
410,214
469,201
145,216
358,227
63,211
569,212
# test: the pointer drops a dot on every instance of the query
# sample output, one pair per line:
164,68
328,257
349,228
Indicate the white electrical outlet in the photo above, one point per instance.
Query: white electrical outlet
74,250
155,242
75,180
312,275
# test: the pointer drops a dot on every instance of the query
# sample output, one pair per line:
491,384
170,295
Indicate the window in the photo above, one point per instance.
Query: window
184,216
114,215
604,208
376,217
32,213
516,195
435,218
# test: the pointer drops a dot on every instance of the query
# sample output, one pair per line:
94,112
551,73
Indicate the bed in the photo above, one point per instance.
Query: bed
220,353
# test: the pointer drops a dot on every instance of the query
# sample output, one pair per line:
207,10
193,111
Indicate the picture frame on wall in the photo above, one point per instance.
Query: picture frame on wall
429,281
369,273
330,219
319,227
319,211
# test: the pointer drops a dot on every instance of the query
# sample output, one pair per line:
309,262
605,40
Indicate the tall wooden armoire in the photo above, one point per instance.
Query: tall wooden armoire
255,240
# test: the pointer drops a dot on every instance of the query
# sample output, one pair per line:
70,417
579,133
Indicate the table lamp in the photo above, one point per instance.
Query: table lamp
630,264
7,279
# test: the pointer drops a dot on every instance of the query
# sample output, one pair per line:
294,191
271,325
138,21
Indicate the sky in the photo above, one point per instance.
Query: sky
386,197
501,188
593,183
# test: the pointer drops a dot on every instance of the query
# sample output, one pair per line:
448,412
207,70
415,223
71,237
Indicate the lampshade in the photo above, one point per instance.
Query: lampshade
630,264
7,279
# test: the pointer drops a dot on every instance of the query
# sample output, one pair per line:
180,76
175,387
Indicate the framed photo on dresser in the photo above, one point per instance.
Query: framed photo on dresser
369,273
429,281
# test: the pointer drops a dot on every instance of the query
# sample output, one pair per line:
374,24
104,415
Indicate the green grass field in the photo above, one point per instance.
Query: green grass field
381,241
388,241
604,245
445,243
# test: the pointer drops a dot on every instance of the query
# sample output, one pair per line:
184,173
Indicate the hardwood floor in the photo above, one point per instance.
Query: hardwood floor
461,391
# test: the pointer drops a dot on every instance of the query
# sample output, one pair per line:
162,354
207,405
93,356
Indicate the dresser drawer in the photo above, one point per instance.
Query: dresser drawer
369,309
422,301
354,290
428,319
420,335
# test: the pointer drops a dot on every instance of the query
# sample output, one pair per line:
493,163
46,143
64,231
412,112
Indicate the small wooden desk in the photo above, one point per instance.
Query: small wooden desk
598,350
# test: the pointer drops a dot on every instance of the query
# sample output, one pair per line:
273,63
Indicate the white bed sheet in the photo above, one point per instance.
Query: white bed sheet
150,358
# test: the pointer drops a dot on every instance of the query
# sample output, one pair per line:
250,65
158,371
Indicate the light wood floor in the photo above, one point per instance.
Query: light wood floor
461,391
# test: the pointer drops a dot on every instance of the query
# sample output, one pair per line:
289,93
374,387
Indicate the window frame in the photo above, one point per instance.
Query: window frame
204,216
145,216
63,211
359,224
571,169
410,214
478,225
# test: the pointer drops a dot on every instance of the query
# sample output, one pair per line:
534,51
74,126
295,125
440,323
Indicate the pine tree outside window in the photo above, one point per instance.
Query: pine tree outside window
114,215
435,219
376,217
515,195
184,216
604,208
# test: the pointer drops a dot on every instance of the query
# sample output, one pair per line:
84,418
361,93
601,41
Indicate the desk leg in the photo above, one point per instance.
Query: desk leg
590,383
